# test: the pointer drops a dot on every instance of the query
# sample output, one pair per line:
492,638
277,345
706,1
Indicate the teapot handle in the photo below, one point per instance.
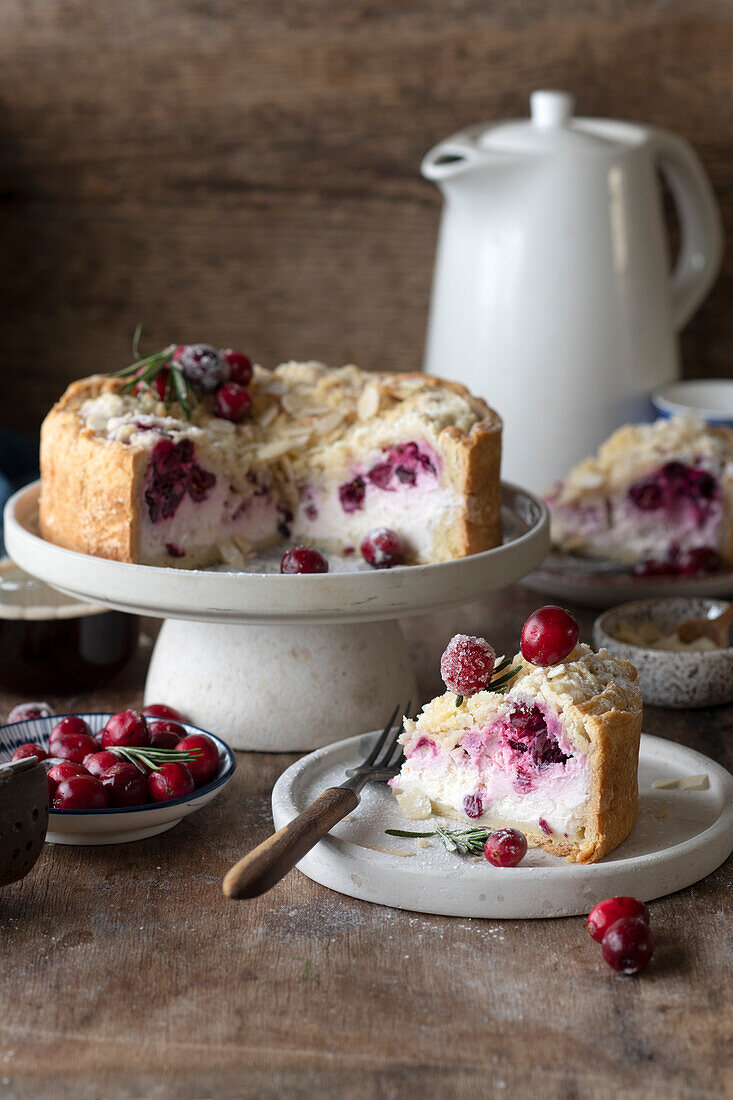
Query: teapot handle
701,243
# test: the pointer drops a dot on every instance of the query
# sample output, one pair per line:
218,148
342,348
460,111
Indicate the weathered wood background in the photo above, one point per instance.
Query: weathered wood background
246,171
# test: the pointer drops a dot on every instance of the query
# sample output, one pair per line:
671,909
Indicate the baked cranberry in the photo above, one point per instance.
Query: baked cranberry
71,724
607,912
161,710
240,366
382,548
28,750
24,712
80,792
97,763
701,559
303,559
549,635
125,785
467,664
74,747
506,848
232,402
164,733
202,365
628,945
204,765
168,782
129,727
351,495
473,805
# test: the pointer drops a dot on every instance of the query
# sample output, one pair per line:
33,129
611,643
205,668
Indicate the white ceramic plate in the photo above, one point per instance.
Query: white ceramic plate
115,826
352,592
680,837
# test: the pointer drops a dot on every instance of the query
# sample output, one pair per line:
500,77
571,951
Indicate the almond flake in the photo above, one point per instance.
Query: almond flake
329,423
423,842
281,446
268,415
368,404
414,805
665,784
694,783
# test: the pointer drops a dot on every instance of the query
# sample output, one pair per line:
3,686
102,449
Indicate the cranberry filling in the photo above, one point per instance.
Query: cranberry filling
528,734
173,473
401,463
351,495
473,805
674,484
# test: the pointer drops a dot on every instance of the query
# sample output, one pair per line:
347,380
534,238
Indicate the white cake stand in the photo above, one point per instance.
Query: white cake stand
281,663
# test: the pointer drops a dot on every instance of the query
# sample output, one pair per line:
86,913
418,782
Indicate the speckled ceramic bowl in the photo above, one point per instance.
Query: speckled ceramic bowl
670,679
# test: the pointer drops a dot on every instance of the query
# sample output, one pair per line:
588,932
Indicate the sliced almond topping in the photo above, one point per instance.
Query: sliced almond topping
414,805
231,553
329,423
665,784
423,842
368,403
268,415
694,783
281,446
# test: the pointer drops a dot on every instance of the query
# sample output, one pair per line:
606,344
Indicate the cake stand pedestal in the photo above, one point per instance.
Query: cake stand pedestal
282,663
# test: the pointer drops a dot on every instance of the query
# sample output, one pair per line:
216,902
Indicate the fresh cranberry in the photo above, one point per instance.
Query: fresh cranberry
651,567
382,548
72,724
467,664
74,747
473,805
24,712
203,767
161,710
80,792
65,770
303,559
160,384
129,727
701,559
240,366
549,635
164,733
232,402
168,782
125,785
28,750
202,365
351,495
506,848
97,763
628,945
607,912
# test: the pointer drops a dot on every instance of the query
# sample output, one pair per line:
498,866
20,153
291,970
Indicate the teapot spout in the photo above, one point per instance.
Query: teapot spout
458,155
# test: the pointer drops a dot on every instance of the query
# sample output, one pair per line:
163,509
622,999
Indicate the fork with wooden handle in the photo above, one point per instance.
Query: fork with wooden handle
718,629
270,861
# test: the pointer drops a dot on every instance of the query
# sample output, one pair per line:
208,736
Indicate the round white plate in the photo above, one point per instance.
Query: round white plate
680,837
351,592
115,826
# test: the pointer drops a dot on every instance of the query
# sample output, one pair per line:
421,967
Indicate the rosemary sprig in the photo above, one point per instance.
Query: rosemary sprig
466,842
146,369
153,758
496,685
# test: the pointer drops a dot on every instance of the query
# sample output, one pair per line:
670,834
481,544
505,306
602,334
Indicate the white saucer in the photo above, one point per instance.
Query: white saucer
680,837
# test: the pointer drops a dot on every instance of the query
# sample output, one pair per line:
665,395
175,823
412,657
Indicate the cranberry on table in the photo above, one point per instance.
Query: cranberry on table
240,366
125,785
169,781
74,747
27,750
506,848
129,727
607,912
96,763
382,548
232,402
628,945
71,724
303,559
80,792
467,664
204,765
164,733
549,635
24,712
161,710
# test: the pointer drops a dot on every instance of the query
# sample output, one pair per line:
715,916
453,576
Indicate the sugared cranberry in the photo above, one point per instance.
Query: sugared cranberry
97,763
28,750
351,495
164,733
232,402
169,781
24,712
74,747
129,727
607,912
125,785
303,559
506,848
71,724
467,664
701,559
549,635
202,365
204,765
628,945
382,548
473,805
240,366
80,792
161,710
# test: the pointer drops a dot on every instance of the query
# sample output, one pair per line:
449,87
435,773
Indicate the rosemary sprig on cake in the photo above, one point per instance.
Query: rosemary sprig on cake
466,842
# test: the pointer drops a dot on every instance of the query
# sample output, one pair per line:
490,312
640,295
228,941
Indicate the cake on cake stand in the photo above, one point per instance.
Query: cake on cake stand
282,663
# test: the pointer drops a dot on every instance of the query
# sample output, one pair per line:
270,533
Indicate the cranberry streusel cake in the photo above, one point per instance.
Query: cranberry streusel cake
207,470
658,493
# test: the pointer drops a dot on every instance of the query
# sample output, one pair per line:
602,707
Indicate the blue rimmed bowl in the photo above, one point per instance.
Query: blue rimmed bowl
116,826
709,398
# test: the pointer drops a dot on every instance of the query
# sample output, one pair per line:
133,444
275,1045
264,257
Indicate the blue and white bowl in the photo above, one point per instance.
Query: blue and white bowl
115,826
711,399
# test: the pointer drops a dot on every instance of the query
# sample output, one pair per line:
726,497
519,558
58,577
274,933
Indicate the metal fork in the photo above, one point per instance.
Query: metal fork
270,861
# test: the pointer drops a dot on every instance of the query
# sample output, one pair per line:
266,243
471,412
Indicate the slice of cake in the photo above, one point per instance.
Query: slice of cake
554,755
206,471
658,493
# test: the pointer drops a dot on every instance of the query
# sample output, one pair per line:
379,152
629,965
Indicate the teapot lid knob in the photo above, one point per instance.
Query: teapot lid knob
551,109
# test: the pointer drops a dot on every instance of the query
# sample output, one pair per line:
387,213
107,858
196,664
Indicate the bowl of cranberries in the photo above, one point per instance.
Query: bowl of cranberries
114,778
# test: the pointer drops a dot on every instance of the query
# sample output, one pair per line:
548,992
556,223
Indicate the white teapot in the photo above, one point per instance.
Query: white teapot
552,296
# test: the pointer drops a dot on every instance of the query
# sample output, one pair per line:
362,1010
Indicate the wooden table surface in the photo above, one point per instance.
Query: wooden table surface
124,972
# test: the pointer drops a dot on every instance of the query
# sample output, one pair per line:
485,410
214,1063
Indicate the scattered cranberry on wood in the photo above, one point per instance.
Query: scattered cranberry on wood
607,912
129,727
303,559
628,945
549,635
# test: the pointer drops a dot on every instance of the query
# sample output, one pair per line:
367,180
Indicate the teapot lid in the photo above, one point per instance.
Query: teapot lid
553,128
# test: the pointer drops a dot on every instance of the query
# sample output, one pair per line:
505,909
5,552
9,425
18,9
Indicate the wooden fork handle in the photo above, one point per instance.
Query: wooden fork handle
270,861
